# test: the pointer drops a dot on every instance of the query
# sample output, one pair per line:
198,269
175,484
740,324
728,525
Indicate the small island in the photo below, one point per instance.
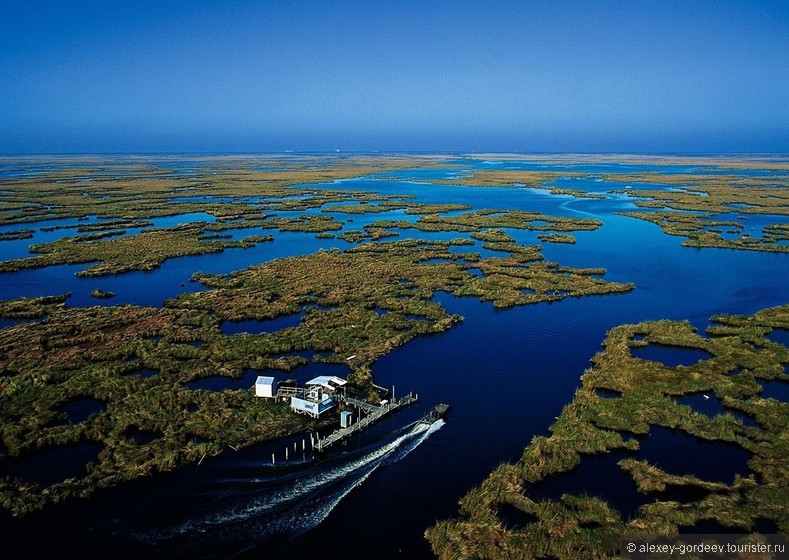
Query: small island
101,294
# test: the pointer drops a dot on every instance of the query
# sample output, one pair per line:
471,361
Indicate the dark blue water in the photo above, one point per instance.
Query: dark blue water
50,466
679,453
82,409
598,476
778,390
781,336
141,437
257,327
710,405
143,372
506,374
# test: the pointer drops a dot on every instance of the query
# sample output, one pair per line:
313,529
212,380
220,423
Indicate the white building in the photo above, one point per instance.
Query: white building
265,387
318,396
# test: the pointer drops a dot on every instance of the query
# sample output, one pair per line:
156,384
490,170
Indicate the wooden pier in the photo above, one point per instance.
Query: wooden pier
373,414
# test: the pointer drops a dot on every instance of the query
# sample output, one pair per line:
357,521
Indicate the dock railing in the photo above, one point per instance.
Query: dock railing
373,413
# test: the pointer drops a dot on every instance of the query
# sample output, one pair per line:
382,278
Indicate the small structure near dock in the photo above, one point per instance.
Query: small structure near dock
318,396
372,414
326,392
265,387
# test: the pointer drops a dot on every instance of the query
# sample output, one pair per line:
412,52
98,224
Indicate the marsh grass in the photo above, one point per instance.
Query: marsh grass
364,302
581,526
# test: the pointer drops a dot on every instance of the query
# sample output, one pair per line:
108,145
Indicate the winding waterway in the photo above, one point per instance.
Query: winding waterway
506,374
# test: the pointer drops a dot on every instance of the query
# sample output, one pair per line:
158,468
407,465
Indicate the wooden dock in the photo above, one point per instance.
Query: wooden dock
373,414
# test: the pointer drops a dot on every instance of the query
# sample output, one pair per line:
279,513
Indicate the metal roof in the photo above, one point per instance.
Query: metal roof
261,380
328,381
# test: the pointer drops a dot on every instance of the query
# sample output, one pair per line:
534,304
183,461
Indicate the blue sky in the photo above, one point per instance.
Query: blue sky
434,75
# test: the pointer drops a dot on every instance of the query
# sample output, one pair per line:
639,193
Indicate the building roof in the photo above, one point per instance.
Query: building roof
327,381
261,380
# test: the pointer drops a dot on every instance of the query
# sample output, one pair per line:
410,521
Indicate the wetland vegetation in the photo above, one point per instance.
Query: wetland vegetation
126,389
693,207
622,404
141,364
682,204
363,302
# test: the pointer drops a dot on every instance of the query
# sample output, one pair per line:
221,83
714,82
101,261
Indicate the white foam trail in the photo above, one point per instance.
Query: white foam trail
324,512
302,501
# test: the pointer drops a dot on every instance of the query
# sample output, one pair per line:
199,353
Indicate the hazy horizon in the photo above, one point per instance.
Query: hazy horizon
455,77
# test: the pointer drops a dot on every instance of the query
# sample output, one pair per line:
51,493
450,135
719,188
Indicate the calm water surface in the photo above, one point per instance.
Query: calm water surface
506,374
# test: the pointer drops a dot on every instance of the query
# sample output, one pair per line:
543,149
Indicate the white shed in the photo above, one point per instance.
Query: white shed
265,387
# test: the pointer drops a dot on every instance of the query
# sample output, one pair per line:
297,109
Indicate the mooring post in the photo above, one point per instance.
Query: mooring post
273,461
286,453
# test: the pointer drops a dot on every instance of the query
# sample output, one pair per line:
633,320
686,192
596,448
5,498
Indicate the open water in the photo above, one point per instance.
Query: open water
506,374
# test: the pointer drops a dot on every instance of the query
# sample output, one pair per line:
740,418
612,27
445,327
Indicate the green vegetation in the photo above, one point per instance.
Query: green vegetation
144,251
101,294
576,193
732,161
16,234
523,178
692,204
364,302
691,209
32,308
703,232
96,353
557,238
118,190
487,219
585,526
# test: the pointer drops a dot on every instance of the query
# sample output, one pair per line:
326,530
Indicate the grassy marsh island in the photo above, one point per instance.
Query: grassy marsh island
144,251
622,403
693,206
134,366
689,208
557,238
138,370
363,302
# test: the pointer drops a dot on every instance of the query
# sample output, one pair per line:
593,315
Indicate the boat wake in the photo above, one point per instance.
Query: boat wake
280,507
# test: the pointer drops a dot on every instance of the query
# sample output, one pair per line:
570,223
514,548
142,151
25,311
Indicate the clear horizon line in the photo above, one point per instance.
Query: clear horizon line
396,152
